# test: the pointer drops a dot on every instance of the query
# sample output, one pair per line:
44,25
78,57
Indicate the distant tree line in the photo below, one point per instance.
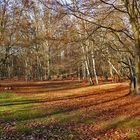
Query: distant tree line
60,39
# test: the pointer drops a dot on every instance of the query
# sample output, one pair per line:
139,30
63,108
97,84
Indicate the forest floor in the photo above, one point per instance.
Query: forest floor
68,110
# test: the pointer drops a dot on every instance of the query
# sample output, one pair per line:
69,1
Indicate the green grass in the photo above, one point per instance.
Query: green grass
132,123
22,107
121,121
125,123
131,136
29,115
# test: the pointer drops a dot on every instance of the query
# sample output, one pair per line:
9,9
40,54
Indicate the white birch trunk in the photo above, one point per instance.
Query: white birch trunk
94,69
87,66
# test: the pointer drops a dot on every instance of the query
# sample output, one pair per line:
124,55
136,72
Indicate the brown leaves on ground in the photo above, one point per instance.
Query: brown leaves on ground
103,112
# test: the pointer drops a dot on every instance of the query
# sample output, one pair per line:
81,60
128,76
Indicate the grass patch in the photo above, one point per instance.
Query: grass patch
131,136
24,114
132,123
25,130
121,121
6,95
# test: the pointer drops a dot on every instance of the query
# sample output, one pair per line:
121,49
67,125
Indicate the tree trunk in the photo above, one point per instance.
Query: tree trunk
113,68
48,70
87,67
26,70
83,71
79,74
111,72
48,64
94,69
137,70
132,77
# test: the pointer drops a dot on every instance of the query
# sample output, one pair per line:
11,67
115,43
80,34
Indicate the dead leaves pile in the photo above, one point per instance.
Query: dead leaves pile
91,115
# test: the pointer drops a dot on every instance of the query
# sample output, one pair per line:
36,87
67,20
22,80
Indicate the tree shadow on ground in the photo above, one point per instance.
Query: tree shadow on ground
41,113
64,127
34,101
